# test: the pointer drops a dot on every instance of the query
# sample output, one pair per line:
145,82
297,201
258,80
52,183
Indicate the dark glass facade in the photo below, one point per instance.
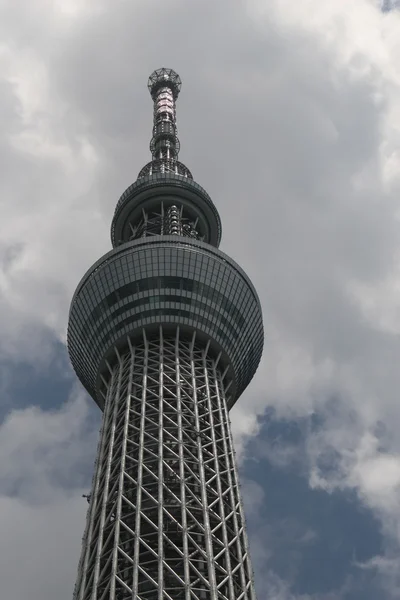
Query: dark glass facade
166,280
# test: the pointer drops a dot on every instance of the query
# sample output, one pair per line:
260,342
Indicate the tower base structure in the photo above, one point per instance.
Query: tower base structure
165,519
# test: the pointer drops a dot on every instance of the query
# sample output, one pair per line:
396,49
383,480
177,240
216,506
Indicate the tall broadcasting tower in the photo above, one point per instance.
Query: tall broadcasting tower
165,332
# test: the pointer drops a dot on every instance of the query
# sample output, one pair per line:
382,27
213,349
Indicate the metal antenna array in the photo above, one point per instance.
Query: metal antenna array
165,332
164,86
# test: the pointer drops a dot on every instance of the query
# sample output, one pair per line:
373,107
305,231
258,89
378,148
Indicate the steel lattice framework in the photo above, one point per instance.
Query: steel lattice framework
165,332
166,519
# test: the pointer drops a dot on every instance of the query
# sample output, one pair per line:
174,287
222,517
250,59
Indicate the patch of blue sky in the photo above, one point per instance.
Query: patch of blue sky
311,539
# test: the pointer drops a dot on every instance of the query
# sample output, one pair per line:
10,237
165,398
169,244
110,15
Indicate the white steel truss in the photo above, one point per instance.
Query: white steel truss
165,519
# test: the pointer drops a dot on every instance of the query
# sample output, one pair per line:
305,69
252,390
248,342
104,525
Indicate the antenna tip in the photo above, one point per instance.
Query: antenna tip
164,78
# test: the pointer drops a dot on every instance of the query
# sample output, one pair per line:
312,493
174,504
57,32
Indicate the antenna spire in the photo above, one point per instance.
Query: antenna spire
164,86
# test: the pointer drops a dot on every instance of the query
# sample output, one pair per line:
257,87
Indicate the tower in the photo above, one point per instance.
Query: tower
165,332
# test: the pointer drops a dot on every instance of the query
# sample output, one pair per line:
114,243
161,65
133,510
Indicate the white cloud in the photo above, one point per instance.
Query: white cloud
45,461
40,548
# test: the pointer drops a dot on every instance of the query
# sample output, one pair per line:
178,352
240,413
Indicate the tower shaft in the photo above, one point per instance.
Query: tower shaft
165,332
165,518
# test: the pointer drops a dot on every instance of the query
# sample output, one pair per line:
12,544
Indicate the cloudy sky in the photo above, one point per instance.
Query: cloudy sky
289,116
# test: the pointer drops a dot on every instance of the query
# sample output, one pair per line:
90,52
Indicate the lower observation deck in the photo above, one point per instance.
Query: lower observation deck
169,281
